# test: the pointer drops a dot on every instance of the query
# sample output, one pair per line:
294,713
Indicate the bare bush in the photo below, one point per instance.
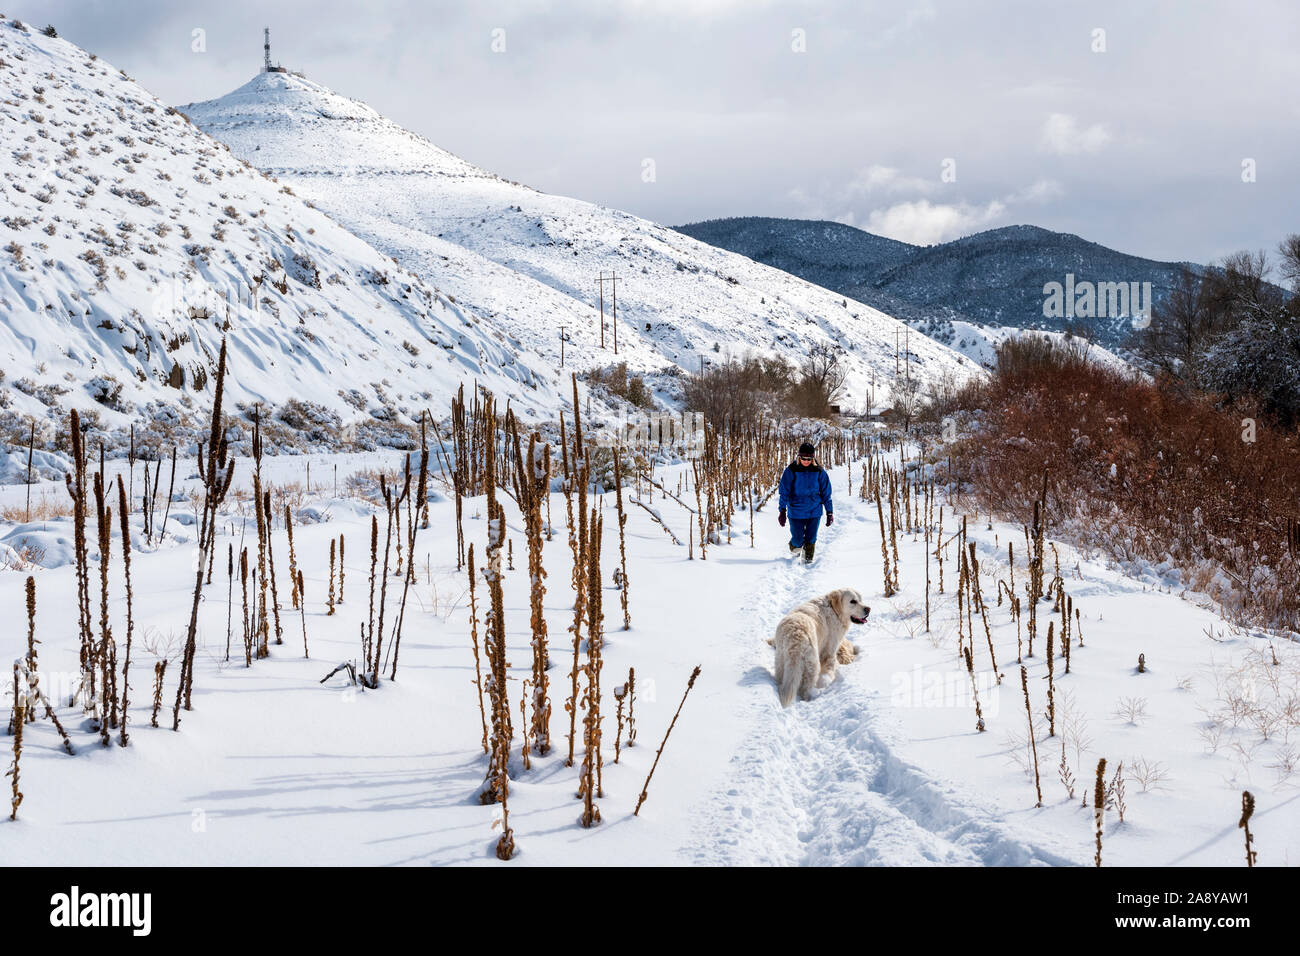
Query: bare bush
736,392
821,382
1131,710
1149,775
616,380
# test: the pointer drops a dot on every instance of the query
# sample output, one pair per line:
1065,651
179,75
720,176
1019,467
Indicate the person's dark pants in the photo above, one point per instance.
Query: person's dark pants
804,530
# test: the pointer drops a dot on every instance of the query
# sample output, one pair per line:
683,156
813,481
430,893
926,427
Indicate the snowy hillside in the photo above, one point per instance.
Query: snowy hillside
530,261
130,242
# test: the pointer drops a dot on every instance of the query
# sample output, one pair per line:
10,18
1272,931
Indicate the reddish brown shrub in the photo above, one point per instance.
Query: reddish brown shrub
1144,473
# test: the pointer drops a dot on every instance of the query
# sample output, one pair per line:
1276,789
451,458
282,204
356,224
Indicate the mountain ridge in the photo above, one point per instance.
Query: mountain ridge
994,277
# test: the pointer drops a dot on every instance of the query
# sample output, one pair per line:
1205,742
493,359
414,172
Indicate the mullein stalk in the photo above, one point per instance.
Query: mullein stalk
645,790
1033,743
473,634
123,511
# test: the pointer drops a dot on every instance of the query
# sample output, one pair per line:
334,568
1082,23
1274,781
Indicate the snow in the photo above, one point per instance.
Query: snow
979,343
102,179
44,464
354,267
528,261
883,767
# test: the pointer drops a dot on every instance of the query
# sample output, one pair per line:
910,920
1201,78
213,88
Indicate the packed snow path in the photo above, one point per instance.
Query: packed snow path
816,784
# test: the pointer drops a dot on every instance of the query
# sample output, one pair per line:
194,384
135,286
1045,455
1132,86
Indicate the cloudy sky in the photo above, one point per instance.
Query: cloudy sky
1127,123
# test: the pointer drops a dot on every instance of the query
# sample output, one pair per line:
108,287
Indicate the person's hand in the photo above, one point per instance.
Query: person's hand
780,518
830,518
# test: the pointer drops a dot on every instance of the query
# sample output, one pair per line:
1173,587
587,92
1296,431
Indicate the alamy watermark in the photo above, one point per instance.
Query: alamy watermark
76,908
1098,300
683,434
928,688
197,298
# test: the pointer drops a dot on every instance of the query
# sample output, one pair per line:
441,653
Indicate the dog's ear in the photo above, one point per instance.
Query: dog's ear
837,603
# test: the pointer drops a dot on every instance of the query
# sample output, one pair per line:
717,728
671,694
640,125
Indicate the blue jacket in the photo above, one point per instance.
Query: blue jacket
805,489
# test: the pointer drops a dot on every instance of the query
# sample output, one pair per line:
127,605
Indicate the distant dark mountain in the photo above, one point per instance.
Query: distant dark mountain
991,278
829,254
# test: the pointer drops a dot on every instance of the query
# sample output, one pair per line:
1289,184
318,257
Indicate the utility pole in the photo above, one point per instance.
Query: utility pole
601,281
895,354
562,328
907,353
614,281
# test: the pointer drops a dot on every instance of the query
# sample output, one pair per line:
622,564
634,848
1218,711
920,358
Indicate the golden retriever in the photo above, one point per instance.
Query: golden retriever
811,639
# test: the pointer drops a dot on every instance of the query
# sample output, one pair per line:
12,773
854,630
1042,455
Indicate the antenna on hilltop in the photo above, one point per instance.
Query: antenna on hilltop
267,65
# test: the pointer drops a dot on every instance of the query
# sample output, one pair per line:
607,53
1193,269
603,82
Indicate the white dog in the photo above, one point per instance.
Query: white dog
811,638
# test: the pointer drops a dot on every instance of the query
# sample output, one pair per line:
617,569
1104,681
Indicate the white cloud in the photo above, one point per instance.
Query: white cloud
836,201
915,219
877,178
1063,134
924,223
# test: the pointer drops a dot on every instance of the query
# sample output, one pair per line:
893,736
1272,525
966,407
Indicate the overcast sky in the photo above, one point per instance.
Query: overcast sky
833,109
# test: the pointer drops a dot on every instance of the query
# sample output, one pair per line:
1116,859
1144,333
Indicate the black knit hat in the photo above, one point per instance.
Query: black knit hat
806,450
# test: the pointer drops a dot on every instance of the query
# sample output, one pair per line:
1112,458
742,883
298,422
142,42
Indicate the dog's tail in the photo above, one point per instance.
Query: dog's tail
789,688
799,675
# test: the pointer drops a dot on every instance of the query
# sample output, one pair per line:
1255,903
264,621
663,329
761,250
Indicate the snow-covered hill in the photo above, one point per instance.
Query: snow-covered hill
531,261
130,242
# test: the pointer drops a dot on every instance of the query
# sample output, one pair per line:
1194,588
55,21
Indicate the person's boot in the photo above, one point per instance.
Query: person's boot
793,547
808,548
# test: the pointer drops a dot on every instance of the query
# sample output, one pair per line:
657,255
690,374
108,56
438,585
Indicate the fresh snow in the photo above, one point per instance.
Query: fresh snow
130,242
353,266
391,273
883,767
530,261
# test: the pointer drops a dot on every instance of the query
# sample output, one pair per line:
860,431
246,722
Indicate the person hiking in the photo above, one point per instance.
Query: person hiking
805,491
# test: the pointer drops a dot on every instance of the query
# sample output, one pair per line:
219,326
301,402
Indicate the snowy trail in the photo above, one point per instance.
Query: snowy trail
818,784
